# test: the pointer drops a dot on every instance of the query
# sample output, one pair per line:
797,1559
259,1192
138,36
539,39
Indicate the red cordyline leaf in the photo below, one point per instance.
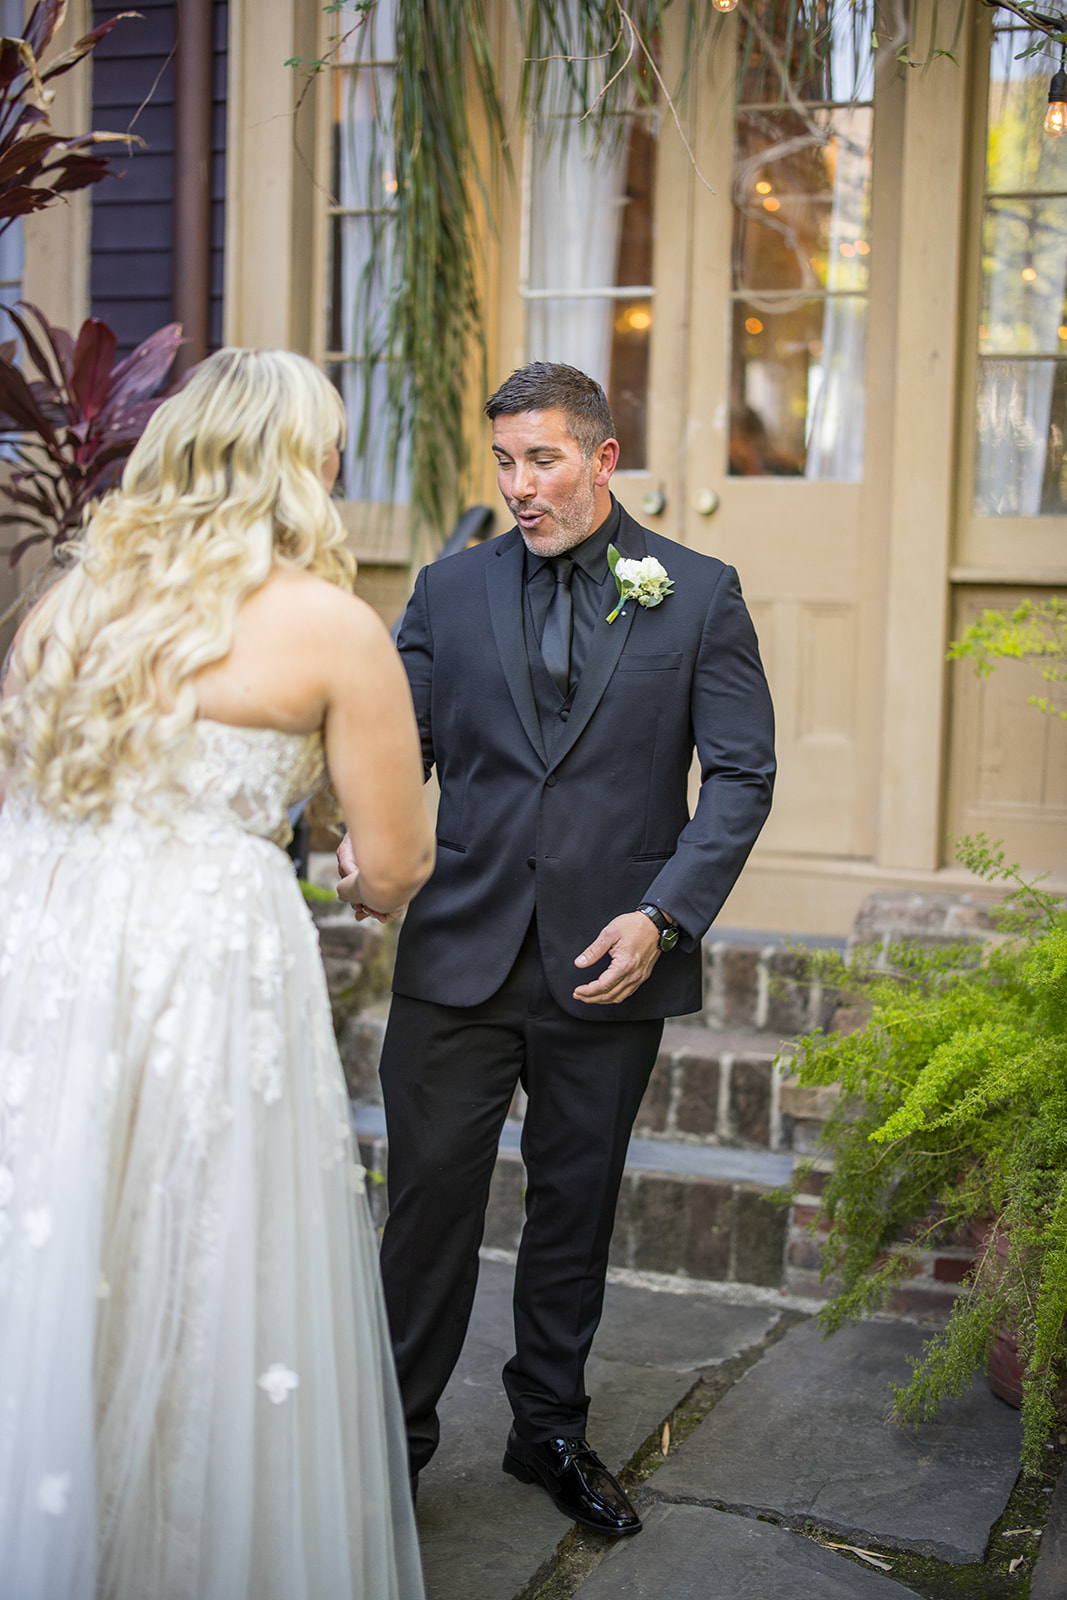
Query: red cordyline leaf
33,349
28,151
100,408
44,20
144,369
19,409
94,357
20,201
19,550
87,42
11,64
76,172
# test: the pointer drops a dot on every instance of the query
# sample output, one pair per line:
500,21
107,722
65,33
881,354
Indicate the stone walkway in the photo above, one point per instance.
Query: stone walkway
800,1441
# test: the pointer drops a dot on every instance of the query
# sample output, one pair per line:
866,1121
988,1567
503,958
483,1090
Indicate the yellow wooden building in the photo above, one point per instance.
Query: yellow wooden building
839,364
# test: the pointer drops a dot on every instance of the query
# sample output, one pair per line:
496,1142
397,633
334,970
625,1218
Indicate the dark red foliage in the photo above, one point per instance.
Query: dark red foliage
75,426
37,165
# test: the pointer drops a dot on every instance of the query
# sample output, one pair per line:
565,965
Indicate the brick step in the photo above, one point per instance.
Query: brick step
691,1210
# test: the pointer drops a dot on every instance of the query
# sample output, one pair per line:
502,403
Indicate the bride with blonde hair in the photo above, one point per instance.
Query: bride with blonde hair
196,1393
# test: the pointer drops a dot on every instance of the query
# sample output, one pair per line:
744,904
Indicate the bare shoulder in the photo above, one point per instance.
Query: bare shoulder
297,605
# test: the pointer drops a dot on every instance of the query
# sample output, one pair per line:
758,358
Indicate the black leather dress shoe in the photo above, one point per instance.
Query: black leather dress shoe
576,1479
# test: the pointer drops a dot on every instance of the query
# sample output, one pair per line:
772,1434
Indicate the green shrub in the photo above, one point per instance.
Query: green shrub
953,1109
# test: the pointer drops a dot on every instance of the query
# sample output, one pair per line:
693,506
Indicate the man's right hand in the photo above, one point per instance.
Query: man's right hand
349,890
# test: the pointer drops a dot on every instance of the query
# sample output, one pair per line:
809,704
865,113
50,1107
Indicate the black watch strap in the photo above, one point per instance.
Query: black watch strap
668,933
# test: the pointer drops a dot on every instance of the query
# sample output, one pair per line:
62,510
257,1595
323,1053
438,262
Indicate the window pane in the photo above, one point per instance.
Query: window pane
1021,155
802,200
1022,423
1024,277
362,253
796,390
800,273
591,229
839,66
1022,404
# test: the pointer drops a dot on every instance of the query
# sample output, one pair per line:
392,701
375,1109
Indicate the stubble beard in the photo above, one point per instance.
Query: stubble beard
570,523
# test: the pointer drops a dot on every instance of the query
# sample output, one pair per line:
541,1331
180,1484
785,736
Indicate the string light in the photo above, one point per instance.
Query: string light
724,5
1055,123
1056,115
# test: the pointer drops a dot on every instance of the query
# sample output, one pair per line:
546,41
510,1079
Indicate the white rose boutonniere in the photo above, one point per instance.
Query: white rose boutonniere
645,581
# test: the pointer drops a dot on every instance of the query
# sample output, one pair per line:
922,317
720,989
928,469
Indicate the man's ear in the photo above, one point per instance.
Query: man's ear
605,459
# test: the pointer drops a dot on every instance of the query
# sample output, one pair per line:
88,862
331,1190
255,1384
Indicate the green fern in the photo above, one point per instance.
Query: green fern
953,1109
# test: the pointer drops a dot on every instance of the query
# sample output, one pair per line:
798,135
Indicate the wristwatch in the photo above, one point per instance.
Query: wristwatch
668,933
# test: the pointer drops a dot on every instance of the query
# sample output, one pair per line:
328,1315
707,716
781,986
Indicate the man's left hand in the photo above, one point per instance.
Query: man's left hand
632,941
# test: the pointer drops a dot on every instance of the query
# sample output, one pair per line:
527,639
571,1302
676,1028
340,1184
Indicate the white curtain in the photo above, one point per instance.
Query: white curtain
577,195
836,387
1015,397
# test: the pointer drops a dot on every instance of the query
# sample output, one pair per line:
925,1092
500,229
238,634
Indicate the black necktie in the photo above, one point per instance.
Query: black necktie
556,638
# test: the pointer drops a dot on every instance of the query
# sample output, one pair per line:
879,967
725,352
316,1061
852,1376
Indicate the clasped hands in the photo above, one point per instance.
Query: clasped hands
349,889
631,940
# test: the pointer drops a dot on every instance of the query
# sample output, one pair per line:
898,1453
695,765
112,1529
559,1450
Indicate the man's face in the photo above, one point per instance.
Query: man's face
556,495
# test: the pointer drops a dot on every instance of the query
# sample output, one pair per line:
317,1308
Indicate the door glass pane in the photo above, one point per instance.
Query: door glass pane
838,65
800,272
590,240
793,409
802,200
362,254
1022,334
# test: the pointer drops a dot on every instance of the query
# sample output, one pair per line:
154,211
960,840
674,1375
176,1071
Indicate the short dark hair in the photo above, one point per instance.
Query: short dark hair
551,386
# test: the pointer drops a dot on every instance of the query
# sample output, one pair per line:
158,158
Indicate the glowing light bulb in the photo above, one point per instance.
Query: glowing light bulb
724,5
753,325
1056,119
771,204
763,187
1056,115
1029,274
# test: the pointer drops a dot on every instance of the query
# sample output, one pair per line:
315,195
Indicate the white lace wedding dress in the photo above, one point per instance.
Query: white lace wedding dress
196,1401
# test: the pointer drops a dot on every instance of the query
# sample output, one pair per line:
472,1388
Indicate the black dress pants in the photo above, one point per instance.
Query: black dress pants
448,1075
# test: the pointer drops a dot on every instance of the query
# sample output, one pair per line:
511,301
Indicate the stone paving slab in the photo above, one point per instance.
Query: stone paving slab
803,1436
1049,1578
693,1553
484,1535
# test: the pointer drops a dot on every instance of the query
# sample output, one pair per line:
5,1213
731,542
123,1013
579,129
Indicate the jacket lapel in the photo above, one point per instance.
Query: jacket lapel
605,647
503,582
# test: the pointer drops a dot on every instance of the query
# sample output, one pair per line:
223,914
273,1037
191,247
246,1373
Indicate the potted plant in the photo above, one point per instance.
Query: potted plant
953,1112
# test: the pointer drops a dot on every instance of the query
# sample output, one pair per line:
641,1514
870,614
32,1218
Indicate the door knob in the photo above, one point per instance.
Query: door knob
706,502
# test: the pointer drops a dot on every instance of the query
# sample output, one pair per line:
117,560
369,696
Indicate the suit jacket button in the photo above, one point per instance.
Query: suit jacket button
531,861
550,781
564,714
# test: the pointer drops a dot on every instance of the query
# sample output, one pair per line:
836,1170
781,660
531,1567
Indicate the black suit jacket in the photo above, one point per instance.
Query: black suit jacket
597,820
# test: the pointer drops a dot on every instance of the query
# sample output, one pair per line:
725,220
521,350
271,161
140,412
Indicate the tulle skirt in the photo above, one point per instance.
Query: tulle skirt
196,1397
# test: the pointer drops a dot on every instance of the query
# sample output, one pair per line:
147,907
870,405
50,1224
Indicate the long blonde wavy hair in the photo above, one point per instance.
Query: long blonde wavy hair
224,484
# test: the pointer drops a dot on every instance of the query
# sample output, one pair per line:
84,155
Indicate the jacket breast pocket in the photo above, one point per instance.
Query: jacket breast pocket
669,661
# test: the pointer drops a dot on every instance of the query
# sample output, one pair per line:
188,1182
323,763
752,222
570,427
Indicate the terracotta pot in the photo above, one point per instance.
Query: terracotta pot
1005,1370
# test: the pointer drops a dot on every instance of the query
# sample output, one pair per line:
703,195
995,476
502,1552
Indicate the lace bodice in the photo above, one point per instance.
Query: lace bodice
252,774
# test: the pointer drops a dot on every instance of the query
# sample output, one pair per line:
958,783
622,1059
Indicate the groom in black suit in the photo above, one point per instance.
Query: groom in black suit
564,918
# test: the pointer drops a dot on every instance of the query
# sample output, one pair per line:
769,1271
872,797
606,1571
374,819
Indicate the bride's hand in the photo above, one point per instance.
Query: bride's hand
349,889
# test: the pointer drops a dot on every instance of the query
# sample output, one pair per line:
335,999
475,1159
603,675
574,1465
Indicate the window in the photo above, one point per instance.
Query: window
588,287
362,252
1021,467
801,260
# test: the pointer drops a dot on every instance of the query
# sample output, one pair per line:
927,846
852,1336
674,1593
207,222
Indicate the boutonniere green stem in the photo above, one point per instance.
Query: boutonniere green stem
645,581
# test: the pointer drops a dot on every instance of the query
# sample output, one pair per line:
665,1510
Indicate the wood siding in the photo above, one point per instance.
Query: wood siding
132,212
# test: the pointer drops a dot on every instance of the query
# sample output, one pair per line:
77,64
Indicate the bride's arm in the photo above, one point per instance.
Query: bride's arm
372,748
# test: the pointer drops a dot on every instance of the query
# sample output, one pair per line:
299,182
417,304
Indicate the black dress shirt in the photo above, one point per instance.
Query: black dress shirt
593,589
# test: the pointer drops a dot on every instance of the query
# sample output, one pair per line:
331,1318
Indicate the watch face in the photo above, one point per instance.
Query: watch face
668,938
